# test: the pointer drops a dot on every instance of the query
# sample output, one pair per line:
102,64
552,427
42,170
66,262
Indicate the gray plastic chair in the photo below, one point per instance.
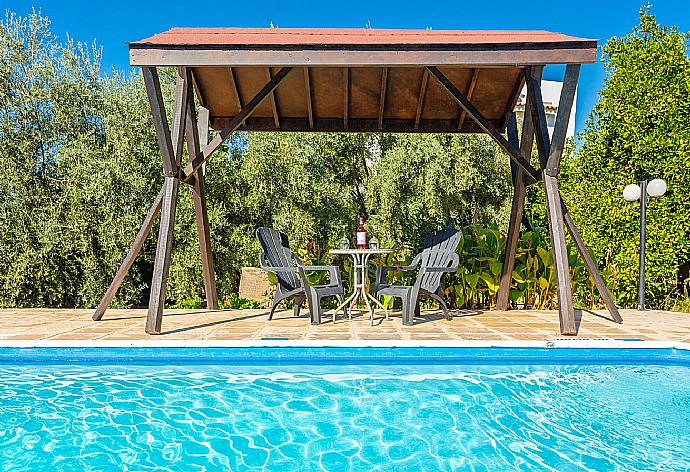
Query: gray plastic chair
277,257
437,257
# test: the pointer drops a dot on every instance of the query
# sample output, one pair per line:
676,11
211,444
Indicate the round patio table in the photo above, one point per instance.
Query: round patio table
360,279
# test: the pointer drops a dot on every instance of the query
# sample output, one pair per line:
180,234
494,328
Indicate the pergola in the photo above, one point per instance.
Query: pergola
364,80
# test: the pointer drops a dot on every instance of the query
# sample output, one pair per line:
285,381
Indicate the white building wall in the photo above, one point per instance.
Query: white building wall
551,92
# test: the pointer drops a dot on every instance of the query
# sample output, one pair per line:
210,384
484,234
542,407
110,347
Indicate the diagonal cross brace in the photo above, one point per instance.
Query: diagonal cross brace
513,152
235,123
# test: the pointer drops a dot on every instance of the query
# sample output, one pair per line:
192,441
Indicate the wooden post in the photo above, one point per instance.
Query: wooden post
518,205
197,136
182,88
161,265
550,153
160,120
170,189
382,97
134,251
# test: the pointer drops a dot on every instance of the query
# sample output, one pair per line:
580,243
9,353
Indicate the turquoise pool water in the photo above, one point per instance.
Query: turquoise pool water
344,417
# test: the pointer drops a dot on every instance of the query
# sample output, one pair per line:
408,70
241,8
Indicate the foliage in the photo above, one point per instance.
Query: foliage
81,166
72,144
306,185
533,283
235,302
639,129
425,182
231,302
476,282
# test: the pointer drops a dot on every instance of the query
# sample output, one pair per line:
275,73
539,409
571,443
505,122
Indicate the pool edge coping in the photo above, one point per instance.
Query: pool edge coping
598,343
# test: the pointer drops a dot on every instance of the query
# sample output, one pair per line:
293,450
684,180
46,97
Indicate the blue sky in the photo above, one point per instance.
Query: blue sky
112,24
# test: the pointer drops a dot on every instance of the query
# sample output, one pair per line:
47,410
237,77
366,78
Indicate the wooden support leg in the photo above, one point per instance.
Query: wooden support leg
550,153
163,252
205,242
559,249
197,136
502,296
517,207
591,266
171,150
129,259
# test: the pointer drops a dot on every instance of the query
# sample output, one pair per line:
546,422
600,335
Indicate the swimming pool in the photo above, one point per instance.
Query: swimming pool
340,408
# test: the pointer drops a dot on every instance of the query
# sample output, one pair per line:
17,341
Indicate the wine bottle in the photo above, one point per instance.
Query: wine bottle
361,234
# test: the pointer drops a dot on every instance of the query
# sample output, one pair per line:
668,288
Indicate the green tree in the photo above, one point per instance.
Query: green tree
424,182
79,170
639,129
81,167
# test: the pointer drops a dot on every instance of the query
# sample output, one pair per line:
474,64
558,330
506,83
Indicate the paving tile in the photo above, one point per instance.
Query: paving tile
65,324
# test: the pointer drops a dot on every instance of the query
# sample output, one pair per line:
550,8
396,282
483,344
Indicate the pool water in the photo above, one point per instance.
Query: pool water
339,417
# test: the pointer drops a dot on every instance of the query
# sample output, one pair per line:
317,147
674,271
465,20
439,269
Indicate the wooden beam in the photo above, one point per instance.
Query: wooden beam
182,81
335,125
234,123
517,208
160,120
485,124
307,86
203,129
382,96
272,97
235,90
536,109
420,100
490,55
197,130
517,90
134,251
197,88
513,140
346,96
470,92
591,265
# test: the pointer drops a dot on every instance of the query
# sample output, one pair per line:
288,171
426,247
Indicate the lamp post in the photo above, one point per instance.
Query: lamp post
633,192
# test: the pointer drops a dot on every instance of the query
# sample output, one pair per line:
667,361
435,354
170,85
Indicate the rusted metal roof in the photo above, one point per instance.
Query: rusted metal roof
358,79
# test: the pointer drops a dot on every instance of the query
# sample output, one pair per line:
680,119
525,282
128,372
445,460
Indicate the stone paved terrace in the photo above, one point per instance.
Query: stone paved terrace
60,324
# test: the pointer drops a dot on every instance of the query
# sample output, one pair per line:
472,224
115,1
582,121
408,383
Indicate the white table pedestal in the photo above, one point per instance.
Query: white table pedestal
360,283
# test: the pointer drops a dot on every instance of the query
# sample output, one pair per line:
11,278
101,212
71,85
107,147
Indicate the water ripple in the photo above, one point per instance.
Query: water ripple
345,418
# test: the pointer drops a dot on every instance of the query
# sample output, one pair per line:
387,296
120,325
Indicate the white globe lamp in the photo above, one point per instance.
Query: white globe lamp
656,188
632,192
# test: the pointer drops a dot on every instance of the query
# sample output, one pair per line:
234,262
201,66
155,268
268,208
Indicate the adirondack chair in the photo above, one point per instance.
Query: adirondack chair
277,257
437,257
